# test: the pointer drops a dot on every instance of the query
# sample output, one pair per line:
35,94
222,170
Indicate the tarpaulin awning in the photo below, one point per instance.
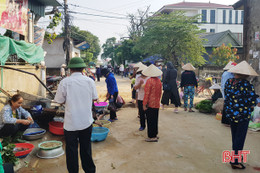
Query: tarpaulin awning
27,51
152,59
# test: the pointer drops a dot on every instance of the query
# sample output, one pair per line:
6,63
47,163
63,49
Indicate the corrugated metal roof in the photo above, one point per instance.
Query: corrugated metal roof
217,39
38,6
49,2
198,5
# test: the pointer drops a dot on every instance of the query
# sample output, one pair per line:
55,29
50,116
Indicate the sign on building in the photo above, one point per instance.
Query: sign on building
14,15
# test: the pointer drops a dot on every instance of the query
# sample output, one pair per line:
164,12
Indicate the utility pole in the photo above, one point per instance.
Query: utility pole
67,33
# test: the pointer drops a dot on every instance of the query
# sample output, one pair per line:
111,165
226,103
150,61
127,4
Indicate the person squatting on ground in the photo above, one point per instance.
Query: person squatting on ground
151,101
170,89
13,117
188,84
240,99
141,81
77,92
112,91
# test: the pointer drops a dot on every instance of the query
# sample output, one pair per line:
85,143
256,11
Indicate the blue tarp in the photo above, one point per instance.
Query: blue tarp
152,59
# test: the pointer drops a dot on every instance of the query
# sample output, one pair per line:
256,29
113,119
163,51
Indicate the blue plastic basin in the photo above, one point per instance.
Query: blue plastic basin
99,134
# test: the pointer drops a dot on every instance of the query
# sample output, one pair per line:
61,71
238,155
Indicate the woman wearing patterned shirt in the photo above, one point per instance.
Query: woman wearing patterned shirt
240,98
13,117
151,101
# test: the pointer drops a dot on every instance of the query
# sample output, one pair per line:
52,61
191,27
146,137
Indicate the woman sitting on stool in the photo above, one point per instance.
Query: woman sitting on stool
13,117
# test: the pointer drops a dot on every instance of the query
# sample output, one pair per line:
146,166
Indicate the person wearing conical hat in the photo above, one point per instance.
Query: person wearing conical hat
139,85
133,78
170,87
62,71
151,101
217,93
188,84
225,76
240,98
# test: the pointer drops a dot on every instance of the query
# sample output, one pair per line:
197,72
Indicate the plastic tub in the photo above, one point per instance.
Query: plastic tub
58,144
99,134
56,128
101,104
33,133
21,154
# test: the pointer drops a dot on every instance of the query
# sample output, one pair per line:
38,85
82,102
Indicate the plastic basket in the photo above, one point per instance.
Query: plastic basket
99,134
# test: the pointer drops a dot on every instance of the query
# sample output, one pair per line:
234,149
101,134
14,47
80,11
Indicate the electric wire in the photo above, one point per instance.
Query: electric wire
98,10
112,17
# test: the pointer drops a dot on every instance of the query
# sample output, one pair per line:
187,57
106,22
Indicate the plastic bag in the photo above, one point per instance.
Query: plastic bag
255,116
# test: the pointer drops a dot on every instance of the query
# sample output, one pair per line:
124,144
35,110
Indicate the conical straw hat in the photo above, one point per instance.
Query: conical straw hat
188,67
137,65
215,87
152,71
230,65
141,68
243,68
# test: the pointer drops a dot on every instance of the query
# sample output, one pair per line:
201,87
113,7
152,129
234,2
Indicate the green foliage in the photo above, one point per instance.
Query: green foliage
120,52
174,36
92,40
223,54
109,48
7,151
205,106
56,19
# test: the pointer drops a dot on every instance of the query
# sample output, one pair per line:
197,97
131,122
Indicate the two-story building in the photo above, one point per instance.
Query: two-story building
215,18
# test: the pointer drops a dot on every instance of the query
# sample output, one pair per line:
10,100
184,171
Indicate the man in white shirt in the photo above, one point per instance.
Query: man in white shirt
77,92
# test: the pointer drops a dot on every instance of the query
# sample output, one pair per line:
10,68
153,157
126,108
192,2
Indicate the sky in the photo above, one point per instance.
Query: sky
112,20
106,27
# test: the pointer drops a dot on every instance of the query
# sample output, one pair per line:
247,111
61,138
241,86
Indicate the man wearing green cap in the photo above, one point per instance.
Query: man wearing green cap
77,92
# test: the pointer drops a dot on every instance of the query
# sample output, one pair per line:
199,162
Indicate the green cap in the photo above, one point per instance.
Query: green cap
77,62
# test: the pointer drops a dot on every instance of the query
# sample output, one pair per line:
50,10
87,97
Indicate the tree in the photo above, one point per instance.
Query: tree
175,37
125,50
109,48
223,54
137,23
80,36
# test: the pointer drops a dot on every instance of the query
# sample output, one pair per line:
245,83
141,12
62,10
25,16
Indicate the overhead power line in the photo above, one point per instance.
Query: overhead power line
98,10
113,17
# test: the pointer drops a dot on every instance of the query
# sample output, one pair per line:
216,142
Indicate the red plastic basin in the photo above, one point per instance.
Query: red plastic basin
56,128
20,154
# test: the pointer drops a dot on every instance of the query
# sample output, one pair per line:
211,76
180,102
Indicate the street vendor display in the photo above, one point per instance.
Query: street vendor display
13,117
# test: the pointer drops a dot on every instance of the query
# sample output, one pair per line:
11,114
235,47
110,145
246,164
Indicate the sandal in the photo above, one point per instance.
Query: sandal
185,109
151,140
237,166
191,110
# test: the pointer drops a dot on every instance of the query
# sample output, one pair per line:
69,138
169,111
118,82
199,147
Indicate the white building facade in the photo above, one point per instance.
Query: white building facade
214,17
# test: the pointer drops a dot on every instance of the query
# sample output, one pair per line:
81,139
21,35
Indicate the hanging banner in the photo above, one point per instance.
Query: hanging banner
14,15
